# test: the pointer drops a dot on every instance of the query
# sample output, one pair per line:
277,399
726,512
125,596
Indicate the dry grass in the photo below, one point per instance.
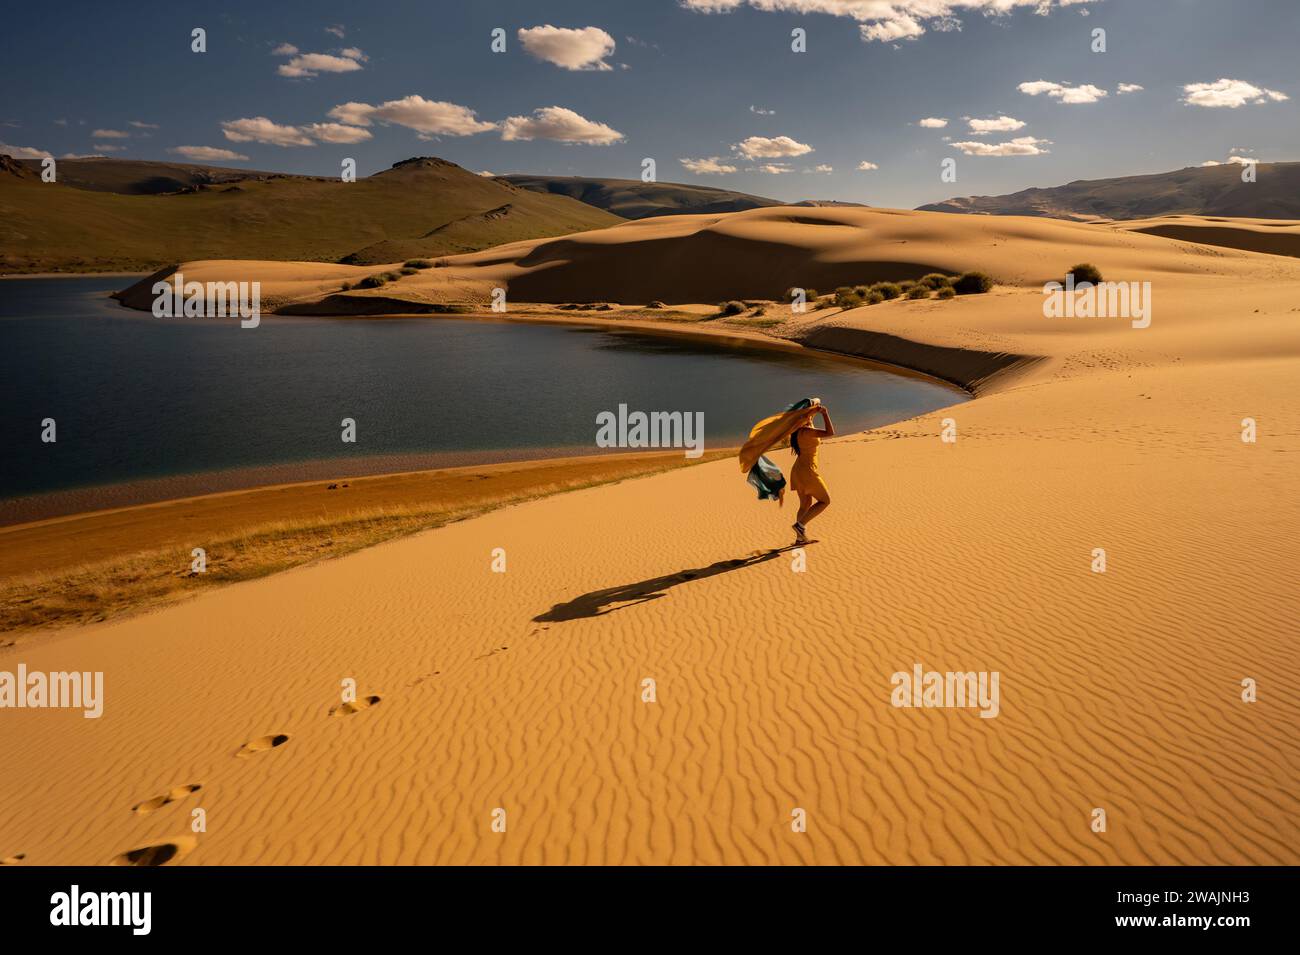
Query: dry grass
139,580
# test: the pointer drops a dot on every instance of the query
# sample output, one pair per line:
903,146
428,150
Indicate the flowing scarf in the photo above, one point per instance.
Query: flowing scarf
760,470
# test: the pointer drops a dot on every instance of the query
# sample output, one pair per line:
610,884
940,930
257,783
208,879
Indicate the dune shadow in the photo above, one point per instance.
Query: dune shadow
600,602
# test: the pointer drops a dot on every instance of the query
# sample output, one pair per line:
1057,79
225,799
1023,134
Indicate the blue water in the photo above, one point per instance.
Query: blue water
139,397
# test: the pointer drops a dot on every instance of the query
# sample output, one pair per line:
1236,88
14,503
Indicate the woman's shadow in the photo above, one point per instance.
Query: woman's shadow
600,602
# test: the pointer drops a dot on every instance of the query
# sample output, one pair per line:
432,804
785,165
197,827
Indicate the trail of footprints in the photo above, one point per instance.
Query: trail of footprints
178,847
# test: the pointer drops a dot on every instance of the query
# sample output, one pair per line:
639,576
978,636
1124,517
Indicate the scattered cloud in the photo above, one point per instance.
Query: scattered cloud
1072,95
1002,124
428,117
259,129
865,166
106,148
1229,93
1240,160
561,125
109,134
583,49
712,166
887,21
772,169
139,125
78,155
207,153
761,111
765,147
337,30
307,65
24,152
932,122
1020,146
284,49
336,133
823,168
1128,88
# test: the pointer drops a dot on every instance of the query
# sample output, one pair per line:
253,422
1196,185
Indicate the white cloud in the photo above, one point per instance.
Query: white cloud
1240,160
772,169
109,134
932,122
712,166
139,125
207,153
1020,146
865,166
761,111
823,168
428,117
887,21
336,133
259,129
583,49
25,152
1128,88
770,147
284,49
308,65
1072,95
1229,93
77,155
337,30
561,125
106,148
1003,124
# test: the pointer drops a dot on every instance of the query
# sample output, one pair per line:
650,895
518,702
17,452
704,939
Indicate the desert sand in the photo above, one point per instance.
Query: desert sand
523,691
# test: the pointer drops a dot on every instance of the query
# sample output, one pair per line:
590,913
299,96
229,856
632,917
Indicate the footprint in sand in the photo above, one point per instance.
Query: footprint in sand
420,679
170,796
491,653
356,706
14,859
262,744
160,853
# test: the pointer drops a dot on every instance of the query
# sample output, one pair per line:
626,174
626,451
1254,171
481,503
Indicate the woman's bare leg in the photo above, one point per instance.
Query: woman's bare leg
805,504
809,512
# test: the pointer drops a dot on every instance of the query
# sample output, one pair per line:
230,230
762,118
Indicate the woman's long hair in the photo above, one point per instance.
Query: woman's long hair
794,441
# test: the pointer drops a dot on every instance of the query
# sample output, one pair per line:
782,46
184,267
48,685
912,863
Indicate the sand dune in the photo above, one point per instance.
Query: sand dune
1273,236
523,690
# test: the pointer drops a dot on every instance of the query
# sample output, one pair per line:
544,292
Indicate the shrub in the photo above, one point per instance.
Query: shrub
862,290
656,304
847,297
347,286
972,283
946,291
1085,272
418,264
373,281
406,270
918,291
935,280
731,308
887,290
874,297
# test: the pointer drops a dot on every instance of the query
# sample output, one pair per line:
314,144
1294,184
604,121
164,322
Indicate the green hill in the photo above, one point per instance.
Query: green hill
122,215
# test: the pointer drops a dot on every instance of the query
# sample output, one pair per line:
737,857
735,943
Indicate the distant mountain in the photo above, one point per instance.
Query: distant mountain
131,215
1196,190
634,199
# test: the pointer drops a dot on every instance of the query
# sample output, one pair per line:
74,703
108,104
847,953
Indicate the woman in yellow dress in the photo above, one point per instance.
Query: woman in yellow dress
805,478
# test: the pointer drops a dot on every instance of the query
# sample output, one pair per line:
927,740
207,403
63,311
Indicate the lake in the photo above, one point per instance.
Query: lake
137,398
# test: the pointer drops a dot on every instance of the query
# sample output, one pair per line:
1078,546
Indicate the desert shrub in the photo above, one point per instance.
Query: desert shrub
345,287
887,290
972,283
656,304
373,281
847,297
873,297
760,310
862,290
1086,272
918,291
731,308
408,271
418,264
946,291
935,280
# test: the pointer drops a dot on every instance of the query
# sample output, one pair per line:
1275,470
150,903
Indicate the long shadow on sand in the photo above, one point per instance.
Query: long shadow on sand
600,602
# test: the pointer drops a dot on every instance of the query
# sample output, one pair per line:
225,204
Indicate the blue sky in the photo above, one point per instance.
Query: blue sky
723,90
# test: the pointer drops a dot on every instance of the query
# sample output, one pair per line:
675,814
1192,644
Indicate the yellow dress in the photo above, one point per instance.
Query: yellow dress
804,476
